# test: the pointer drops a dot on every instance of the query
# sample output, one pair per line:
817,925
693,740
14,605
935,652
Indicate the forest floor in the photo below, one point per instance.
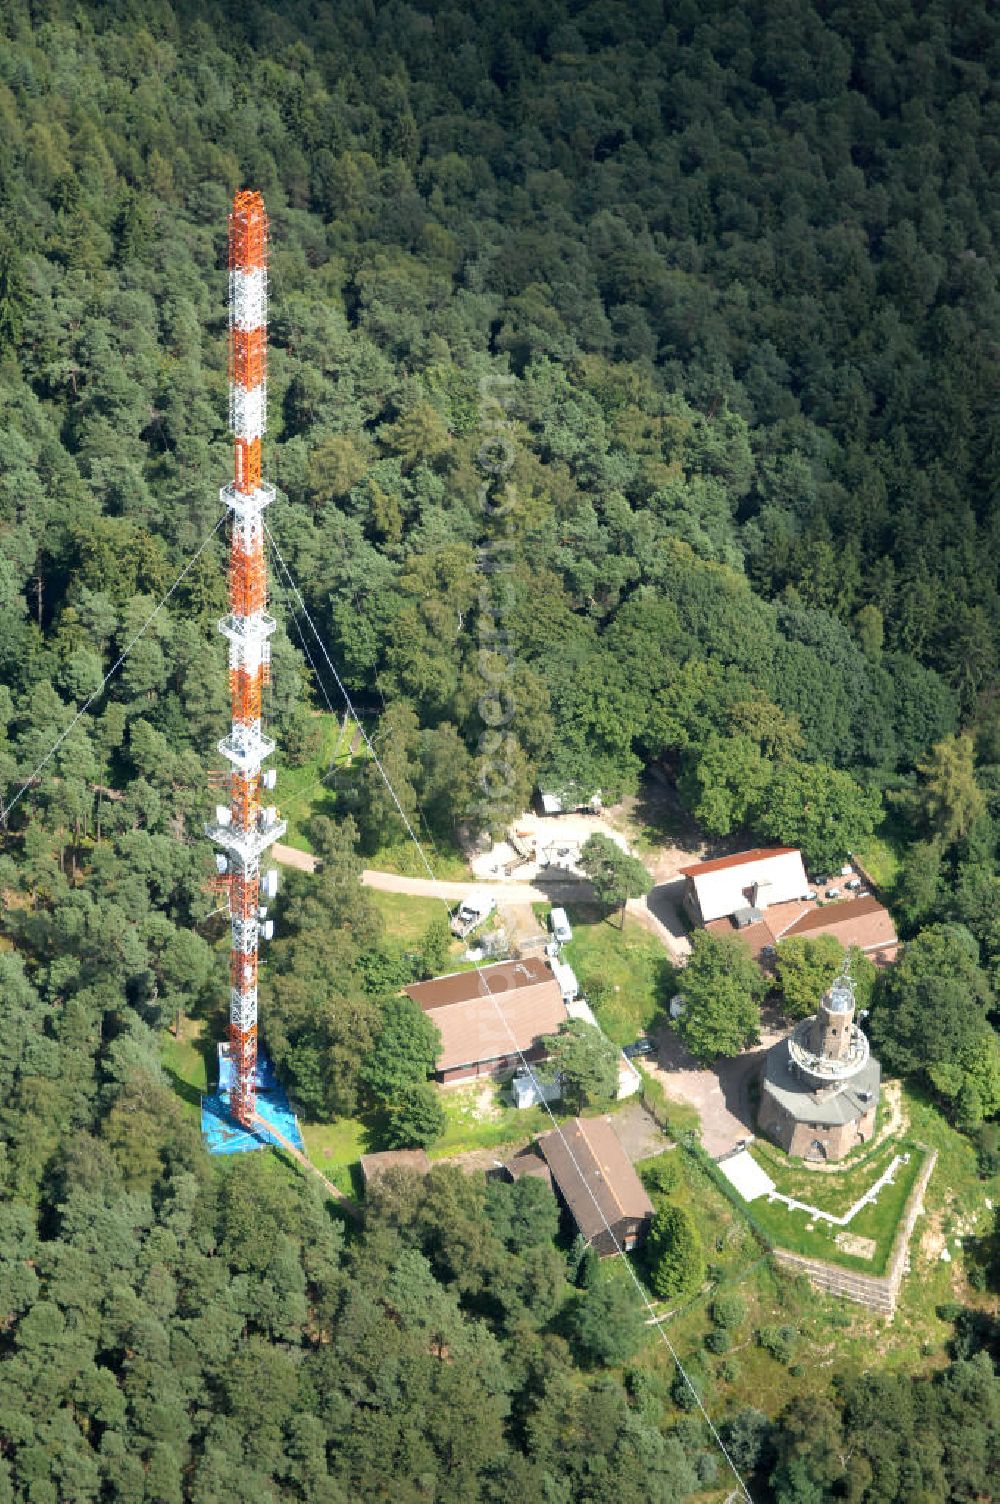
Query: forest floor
657,827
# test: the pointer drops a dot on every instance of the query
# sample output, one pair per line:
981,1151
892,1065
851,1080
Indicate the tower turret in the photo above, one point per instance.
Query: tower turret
830,1048
820,1090
832,1029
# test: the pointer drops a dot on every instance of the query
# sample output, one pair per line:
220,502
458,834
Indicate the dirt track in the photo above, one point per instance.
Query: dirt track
290,856
506,893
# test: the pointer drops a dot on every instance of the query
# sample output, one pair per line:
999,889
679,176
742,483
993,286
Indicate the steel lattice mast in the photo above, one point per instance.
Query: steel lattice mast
247,827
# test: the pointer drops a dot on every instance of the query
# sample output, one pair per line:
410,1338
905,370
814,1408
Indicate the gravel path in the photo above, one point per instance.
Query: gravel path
546,891
290,856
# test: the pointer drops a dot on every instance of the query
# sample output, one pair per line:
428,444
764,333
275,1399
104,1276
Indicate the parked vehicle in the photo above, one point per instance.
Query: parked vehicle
472,912
641,1046
561,927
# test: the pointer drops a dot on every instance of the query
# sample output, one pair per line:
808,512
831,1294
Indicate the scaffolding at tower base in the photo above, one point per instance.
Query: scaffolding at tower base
245,828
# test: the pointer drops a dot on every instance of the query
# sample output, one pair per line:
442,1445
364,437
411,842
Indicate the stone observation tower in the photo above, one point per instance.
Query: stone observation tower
820,1089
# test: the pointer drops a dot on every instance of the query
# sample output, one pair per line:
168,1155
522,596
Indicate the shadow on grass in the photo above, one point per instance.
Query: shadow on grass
208,1049
184,1089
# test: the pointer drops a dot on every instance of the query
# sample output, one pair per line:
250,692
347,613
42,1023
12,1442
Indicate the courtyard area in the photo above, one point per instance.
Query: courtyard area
720,1094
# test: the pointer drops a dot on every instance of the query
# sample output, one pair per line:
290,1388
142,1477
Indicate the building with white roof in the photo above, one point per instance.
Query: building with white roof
743,885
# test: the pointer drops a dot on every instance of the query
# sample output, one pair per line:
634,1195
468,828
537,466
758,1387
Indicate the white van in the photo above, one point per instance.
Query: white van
560,926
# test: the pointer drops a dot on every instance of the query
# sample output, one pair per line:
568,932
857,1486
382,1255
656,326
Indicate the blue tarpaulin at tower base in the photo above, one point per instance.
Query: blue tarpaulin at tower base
264,1075
221,1132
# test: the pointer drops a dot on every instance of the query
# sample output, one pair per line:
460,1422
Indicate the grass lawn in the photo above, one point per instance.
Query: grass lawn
799,1233
733,1261
407,919
446,863
827,1336
883,854
728,1243
185,1061
625,975
302,792
335,1148
836,1192
481,1117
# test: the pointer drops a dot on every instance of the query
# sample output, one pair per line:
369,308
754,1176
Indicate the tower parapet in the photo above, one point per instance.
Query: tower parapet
830,1047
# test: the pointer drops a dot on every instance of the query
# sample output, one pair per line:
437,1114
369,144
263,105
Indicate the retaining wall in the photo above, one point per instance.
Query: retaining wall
878,1292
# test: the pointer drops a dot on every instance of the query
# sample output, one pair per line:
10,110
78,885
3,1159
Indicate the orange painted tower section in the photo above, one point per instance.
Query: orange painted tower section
245,827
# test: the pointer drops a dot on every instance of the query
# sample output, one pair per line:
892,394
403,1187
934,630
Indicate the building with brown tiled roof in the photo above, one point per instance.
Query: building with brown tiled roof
596,1181
861,922
490,1017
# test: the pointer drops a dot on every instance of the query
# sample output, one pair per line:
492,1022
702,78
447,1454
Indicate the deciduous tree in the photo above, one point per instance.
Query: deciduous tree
822,810
586,1063
721,986
806,968
616,875
415,1117
404,1050
930,1007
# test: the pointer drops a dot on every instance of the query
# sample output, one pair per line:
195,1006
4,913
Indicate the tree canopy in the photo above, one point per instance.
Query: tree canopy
584,1061
632,406
616,875
930,1009
721,991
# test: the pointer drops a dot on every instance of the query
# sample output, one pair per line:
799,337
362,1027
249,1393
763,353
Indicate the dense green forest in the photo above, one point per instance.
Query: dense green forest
638,358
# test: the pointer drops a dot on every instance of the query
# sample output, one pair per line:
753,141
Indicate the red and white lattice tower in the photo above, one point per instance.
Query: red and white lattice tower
247,826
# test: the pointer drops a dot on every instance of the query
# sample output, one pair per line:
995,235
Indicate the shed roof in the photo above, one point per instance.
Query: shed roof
483,981
528,1162
594,1175
373,1165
